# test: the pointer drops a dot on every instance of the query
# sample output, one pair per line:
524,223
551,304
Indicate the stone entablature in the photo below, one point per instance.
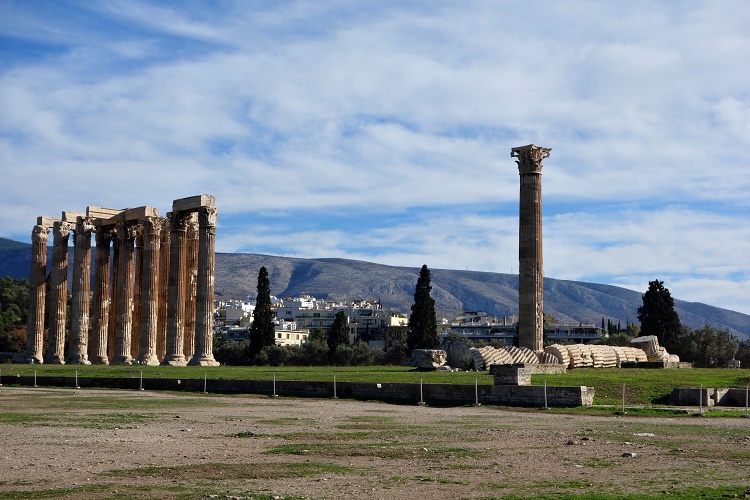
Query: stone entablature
127,310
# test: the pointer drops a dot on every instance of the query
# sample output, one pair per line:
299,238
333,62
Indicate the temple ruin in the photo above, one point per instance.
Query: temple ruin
152,300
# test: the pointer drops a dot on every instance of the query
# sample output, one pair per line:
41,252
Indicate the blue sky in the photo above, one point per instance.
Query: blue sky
381,131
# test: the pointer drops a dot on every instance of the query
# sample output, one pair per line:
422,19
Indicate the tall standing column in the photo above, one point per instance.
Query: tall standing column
58,294
152,227
111,326
163,282
124,304
191,283
530,262
80,307
37,294
175,355
135,342
205,295
100,300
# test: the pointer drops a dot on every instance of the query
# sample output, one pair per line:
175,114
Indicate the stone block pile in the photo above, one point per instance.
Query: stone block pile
570,356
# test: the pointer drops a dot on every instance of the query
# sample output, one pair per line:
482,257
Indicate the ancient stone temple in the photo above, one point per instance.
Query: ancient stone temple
144,286
530,269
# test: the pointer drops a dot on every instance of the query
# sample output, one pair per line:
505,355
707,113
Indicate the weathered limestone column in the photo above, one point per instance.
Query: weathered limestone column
135,341
58,294
100,302
175,355
530,268
80,307
152,227
124,304
191,276
205,295
163,283
37,292
111,326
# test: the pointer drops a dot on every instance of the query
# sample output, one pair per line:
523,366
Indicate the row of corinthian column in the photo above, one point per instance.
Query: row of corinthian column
152,301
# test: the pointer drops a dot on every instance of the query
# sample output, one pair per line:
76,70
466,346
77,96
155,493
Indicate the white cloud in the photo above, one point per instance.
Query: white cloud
296,112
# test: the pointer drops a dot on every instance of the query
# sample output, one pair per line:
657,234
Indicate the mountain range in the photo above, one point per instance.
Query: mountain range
454,291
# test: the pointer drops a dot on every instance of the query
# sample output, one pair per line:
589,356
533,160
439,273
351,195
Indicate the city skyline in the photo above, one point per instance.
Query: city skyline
382,132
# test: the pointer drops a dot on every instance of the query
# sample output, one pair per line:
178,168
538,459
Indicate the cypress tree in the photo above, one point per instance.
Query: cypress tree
262,332
422,322
658,317
339,332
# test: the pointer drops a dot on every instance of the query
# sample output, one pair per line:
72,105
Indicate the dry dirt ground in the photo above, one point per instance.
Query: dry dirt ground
62,443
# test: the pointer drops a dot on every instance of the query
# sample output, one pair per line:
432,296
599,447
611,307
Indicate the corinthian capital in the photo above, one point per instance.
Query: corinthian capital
530,158
40,234
152,225
178,220
207,216
191,222
61,229
84,225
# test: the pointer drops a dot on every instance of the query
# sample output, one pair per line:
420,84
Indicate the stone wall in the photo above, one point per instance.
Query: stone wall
451,394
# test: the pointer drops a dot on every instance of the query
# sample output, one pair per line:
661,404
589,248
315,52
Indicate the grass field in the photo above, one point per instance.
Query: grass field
642,386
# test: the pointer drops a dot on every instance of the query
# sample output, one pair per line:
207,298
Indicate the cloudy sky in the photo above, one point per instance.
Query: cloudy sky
381,131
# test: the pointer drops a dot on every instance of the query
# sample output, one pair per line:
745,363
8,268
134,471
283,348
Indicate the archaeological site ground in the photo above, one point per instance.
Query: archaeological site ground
89,443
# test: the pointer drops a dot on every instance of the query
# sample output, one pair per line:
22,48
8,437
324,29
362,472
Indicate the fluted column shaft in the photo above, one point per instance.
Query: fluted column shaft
176,306
124,304
163,284
205,294
111,326
530,264
58,294
152,228
37,295
530,255
80,307
135,342
100,300
191,284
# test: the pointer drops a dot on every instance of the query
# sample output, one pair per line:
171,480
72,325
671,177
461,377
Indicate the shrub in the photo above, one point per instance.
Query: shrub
231,353
314,353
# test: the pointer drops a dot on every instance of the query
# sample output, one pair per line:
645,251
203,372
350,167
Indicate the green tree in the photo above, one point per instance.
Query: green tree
422,322
318,334
262,332
743,354
711,347
658,317
14,309
339,334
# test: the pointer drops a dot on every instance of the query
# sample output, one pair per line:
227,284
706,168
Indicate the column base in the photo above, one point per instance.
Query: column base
203,361
78,360
26,359
122,360
149,360
100,360
174,360
54,360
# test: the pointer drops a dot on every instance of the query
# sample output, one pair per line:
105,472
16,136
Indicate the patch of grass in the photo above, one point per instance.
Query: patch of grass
227,472
601,463
391,450
54,492
643,386
83,420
